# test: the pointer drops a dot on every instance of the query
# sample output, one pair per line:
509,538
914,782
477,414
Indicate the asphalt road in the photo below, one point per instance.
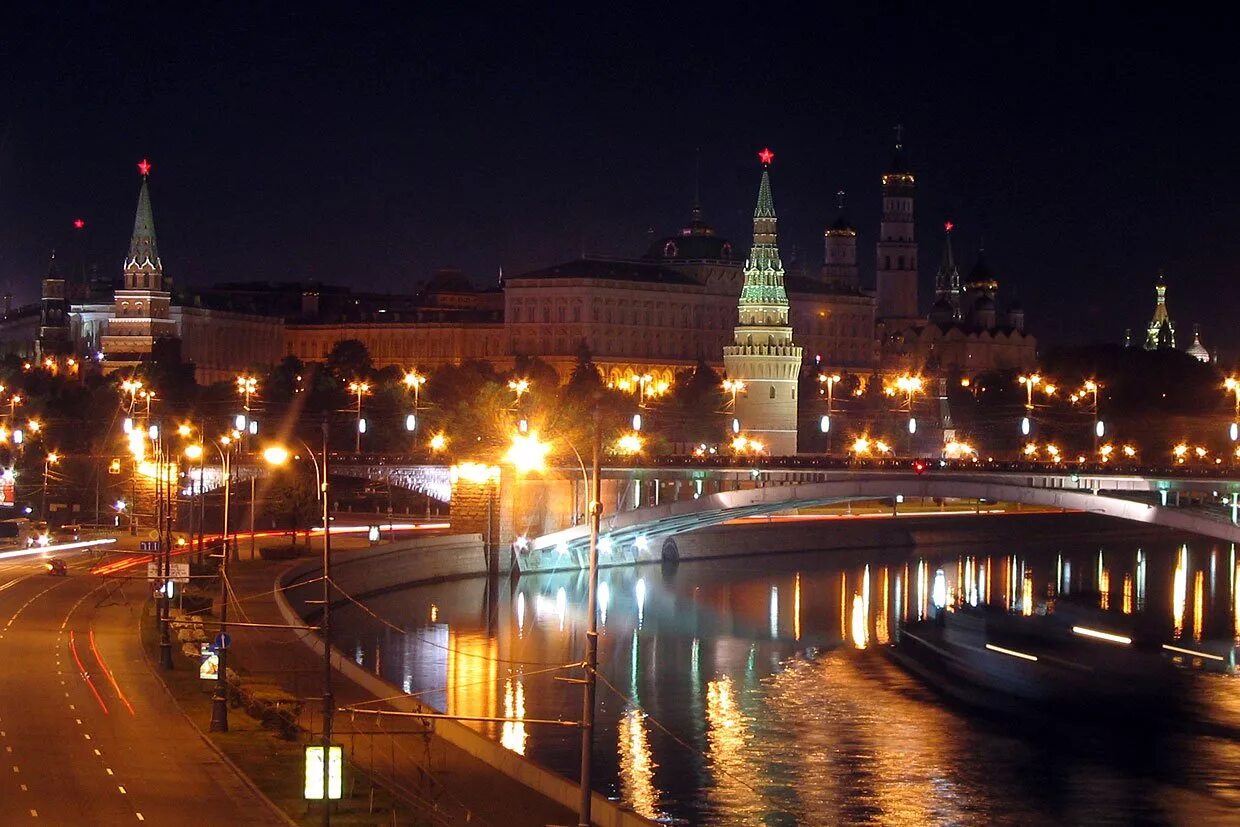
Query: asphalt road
88,734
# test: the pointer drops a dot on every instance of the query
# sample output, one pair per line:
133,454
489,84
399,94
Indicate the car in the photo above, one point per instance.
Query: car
56,567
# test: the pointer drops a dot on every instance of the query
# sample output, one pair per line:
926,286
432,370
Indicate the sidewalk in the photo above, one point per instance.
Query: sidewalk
439,779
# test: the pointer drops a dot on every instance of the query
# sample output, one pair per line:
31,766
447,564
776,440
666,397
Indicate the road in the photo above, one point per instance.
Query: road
88,734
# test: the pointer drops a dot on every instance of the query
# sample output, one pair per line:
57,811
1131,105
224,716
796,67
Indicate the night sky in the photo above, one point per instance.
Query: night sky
374,147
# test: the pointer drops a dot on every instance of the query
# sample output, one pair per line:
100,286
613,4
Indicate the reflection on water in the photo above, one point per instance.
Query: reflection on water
757,691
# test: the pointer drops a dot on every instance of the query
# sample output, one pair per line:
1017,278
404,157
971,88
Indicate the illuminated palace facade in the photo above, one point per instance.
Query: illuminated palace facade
654,314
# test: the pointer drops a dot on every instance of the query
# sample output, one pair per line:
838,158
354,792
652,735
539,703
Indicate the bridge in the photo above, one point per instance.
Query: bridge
647,503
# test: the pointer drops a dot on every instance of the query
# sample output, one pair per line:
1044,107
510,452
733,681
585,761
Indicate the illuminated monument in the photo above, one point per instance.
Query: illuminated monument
142,314
763,355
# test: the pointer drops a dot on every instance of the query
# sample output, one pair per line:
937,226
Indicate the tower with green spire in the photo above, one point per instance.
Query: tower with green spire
763,355
141,315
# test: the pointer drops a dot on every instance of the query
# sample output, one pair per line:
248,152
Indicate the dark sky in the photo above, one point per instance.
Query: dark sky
1090,148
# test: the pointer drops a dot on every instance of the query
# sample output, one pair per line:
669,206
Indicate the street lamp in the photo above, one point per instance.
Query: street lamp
1030,382
219,700
131,387
642,382
519,387
247,386
438,442
527,453
361,389
48,461
829,381
1232,384
733,386
414,382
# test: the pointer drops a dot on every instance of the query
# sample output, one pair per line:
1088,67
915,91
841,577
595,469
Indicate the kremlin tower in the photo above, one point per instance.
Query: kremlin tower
896,280
140,317
839,257
763,355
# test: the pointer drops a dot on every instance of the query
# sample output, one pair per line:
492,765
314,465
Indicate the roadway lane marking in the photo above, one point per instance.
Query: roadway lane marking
108,673
122,789
17,613
97,752
16,768
25,789
86,675
108,770
140,818
34,813
84,735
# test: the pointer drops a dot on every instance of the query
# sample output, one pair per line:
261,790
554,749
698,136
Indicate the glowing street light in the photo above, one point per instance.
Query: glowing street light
361,389
861,446
247,386
829,380
414,382
1030,382
193,452
629,445
438,442
275,455
909,385
527,452
733,386
519,386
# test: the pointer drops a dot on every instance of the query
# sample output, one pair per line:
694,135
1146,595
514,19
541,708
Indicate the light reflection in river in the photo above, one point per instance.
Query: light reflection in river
637,765
771,671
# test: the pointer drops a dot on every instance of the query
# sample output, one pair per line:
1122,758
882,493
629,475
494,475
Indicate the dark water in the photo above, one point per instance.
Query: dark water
756,691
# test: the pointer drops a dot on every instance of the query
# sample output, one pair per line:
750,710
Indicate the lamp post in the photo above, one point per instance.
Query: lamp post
327,633
1030,382
528,453
361,389
591,663
48,461
829,381
247,386
219,701
414,382
733,386
1232,384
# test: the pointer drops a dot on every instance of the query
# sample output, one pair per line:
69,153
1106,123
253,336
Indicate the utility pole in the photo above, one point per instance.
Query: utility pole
591,663
327,632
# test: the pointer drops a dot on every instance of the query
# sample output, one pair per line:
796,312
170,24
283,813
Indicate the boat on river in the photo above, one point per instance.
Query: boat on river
1070,657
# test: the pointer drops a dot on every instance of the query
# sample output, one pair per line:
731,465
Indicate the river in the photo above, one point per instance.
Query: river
756,691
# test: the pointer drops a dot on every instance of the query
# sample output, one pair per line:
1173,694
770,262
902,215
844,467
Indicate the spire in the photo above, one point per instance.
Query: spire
947,292
143,255
899,163
695,217
1197,350
766,204
53,269
764,255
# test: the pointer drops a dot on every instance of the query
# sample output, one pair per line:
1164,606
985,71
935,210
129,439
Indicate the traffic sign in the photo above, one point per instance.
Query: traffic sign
148,545
223,640
179,573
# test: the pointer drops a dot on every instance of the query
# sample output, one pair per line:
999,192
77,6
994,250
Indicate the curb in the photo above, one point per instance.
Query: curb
282,816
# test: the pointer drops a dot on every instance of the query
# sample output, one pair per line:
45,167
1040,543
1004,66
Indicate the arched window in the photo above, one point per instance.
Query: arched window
772,392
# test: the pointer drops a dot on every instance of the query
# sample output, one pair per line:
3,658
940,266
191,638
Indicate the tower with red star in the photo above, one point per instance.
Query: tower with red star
141,317
896,281
763,355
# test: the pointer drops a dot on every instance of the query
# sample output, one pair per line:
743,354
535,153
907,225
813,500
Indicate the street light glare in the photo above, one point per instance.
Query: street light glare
275,455
527,453
193,452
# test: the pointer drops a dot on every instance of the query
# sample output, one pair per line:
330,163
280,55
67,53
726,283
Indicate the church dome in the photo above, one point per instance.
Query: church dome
1197,350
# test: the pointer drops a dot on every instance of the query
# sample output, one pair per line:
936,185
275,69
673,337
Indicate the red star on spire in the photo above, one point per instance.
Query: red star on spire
948,226
144,167
79,223
766,156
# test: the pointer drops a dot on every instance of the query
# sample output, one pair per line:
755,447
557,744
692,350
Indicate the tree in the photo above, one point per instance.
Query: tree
349,360
292,502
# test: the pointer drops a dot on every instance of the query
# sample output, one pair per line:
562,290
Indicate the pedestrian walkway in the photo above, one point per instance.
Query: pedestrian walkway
436,778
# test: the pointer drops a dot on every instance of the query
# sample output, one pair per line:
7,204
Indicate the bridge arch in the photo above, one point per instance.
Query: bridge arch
628,537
